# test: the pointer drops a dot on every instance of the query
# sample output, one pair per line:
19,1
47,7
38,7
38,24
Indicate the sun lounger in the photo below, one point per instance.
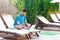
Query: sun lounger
16,33
9,23
46,23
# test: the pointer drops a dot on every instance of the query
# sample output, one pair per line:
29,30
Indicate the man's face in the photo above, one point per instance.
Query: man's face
24,13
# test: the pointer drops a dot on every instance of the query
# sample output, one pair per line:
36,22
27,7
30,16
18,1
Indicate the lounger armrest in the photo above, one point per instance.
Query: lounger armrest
56,22
45,25
53,25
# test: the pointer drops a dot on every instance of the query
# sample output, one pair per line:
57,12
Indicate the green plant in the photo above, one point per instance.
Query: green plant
45,7
32,9
35,7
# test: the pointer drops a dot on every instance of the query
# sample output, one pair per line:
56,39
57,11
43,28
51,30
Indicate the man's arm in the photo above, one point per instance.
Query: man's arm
27,24
16,22
18,25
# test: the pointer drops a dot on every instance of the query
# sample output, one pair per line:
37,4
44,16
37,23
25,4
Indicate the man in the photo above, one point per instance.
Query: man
20,20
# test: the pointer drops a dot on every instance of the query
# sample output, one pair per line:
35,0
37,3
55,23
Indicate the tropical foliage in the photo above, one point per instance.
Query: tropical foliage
36,7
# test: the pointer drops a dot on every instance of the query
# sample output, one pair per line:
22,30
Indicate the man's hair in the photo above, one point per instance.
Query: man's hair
24,10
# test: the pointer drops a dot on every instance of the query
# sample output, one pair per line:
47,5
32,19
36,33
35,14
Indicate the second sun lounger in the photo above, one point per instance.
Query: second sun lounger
46,23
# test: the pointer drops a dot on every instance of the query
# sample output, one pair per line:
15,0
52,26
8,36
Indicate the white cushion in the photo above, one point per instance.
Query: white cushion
21,32
44,20
9,20
47,22
35,30
31,30
1,38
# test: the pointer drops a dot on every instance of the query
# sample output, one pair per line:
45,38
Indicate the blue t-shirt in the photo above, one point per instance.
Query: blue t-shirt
19,18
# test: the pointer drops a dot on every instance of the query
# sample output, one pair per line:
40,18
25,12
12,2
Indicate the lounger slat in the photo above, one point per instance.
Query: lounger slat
54,18
58,15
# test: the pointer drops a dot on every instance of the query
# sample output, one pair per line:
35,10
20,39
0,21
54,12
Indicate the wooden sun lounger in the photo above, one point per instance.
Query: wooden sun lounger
8,20
45,23
17,33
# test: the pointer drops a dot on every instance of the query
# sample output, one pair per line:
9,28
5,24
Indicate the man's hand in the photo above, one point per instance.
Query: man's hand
28,25
19,27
